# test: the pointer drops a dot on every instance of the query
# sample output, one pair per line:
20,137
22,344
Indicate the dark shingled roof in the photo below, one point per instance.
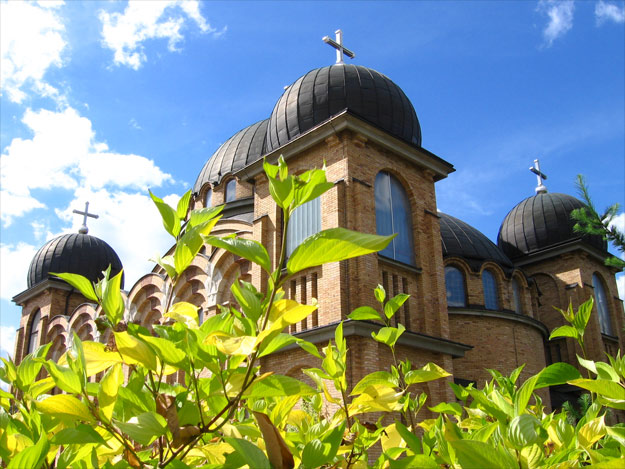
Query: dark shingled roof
541,222
239,151
74,253
462,240
325,92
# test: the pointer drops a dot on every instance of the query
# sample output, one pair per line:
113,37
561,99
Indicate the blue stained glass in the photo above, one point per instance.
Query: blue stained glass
602,306
454,283
490,290
393,215
305,221
231,189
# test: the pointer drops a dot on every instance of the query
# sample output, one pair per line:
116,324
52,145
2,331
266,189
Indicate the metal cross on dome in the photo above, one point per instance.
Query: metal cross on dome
83,229
540,189
338,45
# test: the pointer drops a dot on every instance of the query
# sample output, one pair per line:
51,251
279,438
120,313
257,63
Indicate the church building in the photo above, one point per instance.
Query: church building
473,304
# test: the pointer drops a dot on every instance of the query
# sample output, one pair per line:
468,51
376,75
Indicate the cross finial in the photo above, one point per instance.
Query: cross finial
83,229
338,45
540,189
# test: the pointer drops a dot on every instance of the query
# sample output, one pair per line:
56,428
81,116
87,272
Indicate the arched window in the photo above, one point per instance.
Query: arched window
490,290
305,221
231,189
208,198
33,337
516,294
602,306
392,215
454,283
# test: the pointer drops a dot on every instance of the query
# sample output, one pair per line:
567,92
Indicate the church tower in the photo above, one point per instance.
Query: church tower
564,267
51,308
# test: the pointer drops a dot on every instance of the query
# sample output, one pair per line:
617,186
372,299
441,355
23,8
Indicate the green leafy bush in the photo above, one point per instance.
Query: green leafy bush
228,413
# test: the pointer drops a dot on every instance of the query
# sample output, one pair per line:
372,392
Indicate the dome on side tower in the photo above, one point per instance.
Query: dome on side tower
462,240
325,92
239,151
540,222
75,253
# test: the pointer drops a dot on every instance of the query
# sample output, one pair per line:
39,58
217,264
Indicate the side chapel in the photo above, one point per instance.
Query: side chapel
473,304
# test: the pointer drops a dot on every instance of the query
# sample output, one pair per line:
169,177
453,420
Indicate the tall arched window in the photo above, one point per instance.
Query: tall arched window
392,215
490,290
602,306
33,337
454,283
516,294
231,189
305,221
208,198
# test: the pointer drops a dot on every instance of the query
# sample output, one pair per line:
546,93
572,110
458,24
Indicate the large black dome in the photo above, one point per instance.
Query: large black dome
74,253
462,240
541,222
325,92
240,150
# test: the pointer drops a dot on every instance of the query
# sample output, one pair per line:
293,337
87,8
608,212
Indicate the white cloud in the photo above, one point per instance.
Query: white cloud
620,283
605,11
64,153
14,268
7,341
32,41
128,222
125,33
560,15
619,222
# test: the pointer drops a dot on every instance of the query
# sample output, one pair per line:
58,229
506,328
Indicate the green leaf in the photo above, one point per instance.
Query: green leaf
183,205
474,454
63,405
32,457
308,347
27,371
107,392
190,243
171,221
135,351
602,387
555,374
279,385
564,331
280,183
81,435
318,452
112,299
389,335
166,350
380,294
64,377
246,248
365,313
334,245
279,341
392,305
204,214
80,283
428,372
524,394
522,431
248,298
144,428
167,263
383,378
447,408
420,461
582,316
413,441
309,186
249,453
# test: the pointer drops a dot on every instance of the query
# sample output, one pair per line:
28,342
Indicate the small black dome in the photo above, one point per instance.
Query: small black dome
464,241
240,150
325,92
74,253
540,222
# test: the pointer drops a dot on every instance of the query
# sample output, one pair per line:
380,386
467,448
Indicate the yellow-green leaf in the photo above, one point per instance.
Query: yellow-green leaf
135,352
63,405
107,393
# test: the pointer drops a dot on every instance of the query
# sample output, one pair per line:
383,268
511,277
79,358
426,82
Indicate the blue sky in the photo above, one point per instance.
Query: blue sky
103,100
